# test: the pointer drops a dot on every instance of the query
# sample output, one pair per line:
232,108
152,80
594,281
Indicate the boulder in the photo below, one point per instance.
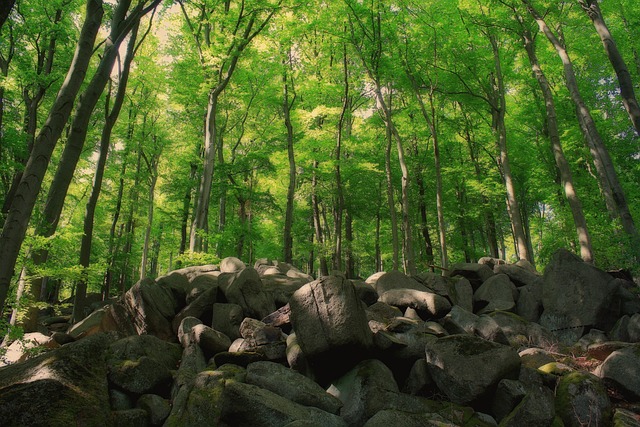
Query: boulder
231,265
529,303
475,273
29,345
397,280
200,308
460,321
434,282
428,304
156,407
152,307
621,371
581,399
66,386
140,376
135,347
201,284
291,385
496,293
210,341
520,276
249,405
245,289
461,293
227,319
178,283
330,325
467,368
135,417
578,294
194,271
535,409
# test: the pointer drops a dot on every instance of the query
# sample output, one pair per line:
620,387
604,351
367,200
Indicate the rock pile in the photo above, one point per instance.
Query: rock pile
490,344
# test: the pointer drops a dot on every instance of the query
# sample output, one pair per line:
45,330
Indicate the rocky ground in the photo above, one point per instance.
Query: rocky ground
231,345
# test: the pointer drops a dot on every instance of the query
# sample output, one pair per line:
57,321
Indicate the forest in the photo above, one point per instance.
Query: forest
141,136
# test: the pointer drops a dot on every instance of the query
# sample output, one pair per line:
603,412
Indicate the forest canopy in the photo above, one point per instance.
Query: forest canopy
141,136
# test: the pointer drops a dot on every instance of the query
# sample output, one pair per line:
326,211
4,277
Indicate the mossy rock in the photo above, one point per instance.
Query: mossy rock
581,399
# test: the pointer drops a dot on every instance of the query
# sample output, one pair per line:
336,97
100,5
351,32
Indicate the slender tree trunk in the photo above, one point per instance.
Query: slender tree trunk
461,221
566,178
499,111
424,225
21,209
315,204
287,104
348,235
610,186
592,9
339,203
184,223
147,233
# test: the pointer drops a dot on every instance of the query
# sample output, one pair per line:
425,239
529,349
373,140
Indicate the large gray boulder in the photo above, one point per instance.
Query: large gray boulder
245,289
291,385
496,293
428,304
227,319
581,399
575,293
66,386
475,273
621,371
201,307
519,276
152,306
467,368
231,265
330,324
397,280
249,405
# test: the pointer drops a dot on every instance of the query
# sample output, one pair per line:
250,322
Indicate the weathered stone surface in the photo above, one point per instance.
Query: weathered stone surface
231,265
519,276
434,282
245,289
427,304
200,308
579,292
461,293
20,350
621,370
152,307
227,319
365,292
178,283
397,280
260,338
194,271
210,341
508,395
535,409
291,385
249,405
535,357
330,324
496,293
581,399
144,375
184,330
157,408
475,273
529,303
135,347
135,417
460,321
67,386
466,367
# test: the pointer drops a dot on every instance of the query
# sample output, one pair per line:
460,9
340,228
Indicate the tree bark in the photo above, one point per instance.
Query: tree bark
17,220
5,10
629,100
288,219
317,226
499,111
615,198
566,178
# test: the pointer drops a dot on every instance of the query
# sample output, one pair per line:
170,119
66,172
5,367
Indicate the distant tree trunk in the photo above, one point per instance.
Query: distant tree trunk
424,225
592,9
152,166
391,201
489,218
287,104
430,118
222,207
130,226
342,123
460,194
184,223
348,235
498,112
317,226
378,250
610,186
561,162
22,206
105,141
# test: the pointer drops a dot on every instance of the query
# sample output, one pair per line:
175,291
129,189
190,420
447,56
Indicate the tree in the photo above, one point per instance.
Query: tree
17,220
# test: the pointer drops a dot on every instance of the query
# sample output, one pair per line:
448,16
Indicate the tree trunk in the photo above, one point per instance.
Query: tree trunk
21,209
288,219
424,225
498,111
592,9
147,234
184,223
348,235
610,186
5,10
324,268
566,178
